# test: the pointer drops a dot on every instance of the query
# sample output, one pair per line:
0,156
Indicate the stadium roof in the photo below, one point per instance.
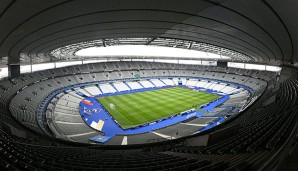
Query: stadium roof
263,30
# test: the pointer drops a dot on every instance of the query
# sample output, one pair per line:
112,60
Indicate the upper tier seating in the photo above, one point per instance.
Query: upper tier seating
263,129
24,105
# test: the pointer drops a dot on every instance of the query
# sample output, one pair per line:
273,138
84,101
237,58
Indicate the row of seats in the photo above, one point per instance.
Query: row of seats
23,106
70,126
246,150
26,79
263,129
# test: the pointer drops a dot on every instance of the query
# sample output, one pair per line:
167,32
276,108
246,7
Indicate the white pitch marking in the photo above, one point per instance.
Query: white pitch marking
194,124
75,135
164,136
124,141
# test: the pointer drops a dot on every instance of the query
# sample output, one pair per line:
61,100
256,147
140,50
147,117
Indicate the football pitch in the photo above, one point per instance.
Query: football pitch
134,109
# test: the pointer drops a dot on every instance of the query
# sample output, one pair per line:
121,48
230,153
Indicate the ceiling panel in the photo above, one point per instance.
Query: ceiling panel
264,29
287,13
272,28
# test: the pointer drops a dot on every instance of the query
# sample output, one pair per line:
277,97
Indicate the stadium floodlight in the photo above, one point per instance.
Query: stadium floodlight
146,51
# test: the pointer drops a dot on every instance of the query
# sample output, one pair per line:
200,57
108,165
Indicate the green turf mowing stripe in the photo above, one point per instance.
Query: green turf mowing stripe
136,109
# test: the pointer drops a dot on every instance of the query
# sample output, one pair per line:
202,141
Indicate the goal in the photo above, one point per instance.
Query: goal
112,106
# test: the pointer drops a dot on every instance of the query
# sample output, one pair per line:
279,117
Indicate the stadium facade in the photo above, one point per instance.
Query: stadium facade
148,85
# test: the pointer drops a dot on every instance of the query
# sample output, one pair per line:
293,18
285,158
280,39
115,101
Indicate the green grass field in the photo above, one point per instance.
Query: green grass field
134,109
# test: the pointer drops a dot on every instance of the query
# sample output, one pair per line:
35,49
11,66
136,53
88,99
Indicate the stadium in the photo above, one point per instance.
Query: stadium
148,85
